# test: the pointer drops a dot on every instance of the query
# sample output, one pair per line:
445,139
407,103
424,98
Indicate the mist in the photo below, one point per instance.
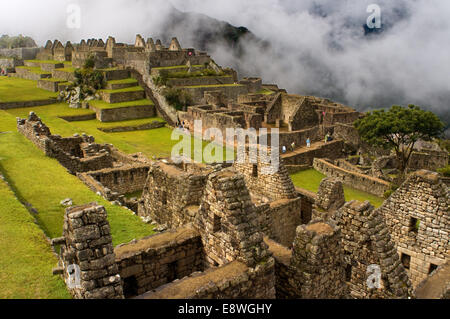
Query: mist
317,47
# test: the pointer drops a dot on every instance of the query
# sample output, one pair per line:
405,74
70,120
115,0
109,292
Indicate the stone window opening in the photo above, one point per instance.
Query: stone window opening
116,178
255,170
172,271
164,197
348,273
414,224
217,224
432,268
406,260
130,287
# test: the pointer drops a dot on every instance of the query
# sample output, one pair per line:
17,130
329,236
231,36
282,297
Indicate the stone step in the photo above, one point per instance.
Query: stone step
201,81
31,74
51,84
116,113
115,74
121,84
123,95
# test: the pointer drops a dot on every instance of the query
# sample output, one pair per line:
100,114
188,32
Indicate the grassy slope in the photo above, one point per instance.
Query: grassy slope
43,182
26,259
17,90
310,180
105,105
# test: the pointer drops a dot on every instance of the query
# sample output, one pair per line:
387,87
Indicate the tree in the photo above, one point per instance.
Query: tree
399,129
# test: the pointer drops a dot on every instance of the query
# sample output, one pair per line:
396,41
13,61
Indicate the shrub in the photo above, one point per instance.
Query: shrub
390,191
178,98
445,171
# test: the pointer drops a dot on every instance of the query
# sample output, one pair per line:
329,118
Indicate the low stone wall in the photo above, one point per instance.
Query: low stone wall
119,97
232,281
52,86
359,181
63,75
204,80
232,92
153,261
331,150
23,104
124,113
21,53
76,118
121,180
280,219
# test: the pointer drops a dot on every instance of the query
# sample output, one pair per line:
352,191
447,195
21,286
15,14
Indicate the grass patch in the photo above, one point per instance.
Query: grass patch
43,182
26,259
177,67
265,92
105,105
310,180
137,122
19,90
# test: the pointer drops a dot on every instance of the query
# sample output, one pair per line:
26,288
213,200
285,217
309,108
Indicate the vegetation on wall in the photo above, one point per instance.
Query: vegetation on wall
178,98
20,41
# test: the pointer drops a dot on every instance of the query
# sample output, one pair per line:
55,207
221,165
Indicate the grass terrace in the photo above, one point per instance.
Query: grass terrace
212,86
34,69
19,90
310,180
26,258
50,62
105,105
265,92
130,89
176,67
43,182
124,81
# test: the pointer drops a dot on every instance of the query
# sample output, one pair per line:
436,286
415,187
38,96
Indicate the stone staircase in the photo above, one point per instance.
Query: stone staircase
122,99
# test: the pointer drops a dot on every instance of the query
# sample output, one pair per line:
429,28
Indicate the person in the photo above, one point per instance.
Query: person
308,142
283,149
293,146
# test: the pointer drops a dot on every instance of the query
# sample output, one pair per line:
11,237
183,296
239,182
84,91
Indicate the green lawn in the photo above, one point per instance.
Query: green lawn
43,182
34,69
209,86
47,61
310,180
19,90
26,259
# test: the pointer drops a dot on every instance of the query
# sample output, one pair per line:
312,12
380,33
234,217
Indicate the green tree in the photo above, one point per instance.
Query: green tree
399,129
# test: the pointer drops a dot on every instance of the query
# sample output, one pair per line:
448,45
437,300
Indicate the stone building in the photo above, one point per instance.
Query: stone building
417,215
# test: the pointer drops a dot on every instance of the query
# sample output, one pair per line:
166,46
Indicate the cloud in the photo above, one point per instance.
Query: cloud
317,46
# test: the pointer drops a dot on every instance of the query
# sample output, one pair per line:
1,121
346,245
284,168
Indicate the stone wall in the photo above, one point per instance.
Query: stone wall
20,53
314,268
227,222
87,244
232,281
419,222
124,113
356,180
231,91
331,150
262,181
330,195
172,194
366,241
76,154
112,182
154,261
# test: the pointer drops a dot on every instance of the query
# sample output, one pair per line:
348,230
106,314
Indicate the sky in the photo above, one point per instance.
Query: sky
318,47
